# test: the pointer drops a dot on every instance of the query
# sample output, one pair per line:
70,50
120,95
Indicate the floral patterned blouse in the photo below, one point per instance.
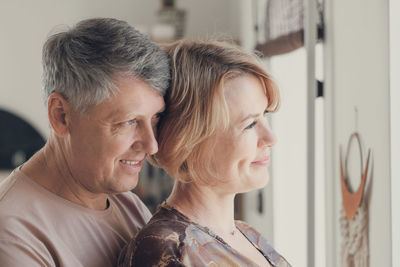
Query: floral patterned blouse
171,239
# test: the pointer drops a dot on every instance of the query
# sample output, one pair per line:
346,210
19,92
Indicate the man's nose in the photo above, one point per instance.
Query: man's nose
148,141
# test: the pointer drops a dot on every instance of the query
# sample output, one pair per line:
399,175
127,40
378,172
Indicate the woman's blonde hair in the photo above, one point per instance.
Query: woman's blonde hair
196,107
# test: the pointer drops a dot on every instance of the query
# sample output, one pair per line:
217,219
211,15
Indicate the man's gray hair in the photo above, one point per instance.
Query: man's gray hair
83,63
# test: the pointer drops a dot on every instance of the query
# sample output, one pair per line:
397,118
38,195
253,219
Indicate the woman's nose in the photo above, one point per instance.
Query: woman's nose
267,137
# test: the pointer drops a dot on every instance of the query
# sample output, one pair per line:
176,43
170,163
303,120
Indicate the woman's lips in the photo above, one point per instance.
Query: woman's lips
262,162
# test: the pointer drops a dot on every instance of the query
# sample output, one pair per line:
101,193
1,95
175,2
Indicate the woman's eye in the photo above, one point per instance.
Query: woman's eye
156,118
251,125
158,115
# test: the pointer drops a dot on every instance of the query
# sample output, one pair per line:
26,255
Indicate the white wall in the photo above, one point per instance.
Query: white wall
210,18
25,24
357,68
395,126
289,159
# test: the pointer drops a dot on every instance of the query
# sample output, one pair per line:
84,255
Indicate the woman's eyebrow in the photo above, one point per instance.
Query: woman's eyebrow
250,116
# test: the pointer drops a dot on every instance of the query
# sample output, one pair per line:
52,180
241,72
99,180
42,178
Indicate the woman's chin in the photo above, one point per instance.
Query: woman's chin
255,185
261,182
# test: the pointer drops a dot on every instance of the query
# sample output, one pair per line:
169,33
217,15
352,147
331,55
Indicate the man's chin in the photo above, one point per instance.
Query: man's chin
125,185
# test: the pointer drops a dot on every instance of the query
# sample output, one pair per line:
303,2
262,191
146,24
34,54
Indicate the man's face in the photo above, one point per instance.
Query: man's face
107,146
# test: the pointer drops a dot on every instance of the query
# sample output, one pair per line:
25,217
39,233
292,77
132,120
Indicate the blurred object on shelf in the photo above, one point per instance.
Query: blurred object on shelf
169,14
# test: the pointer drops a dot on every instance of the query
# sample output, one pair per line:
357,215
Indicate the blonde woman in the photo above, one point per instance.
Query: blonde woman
215,141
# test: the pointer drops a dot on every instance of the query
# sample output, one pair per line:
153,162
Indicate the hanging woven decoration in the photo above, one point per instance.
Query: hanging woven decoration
354,215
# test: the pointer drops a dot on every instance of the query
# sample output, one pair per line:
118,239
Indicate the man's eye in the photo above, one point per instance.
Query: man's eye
130,122
251,125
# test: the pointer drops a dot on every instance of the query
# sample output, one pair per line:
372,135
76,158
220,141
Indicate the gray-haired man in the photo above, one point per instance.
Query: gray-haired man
70,204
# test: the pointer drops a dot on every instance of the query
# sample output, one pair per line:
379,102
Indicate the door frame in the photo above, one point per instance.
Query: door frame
394,35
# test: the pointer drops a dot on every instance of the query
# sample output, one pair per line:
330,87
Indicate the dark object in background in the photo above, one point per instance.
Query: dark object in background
18,140
154,186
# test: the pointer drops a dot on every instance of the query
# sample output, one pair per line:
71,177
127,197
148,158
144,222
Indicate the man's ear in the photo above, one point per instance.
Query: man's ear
59,112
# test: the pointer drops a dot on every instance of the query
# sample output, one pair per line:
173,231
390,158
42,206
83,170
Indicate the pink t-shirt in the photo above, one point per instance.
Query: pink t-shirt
39,228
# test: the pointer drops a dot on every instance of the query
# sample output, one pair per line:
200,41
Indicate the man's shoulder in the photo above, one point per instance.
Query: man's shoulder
130,206
19,195
22,209
16,229
127,198
15,194
21,236
8,184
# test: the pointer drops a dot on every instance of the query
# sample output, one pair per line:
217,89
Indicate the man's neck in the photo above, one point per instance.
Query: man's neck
49,169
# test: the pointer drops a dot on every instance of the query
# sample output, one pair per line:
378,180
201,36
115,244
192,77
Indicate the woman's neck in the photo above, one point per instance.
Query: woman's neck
205,206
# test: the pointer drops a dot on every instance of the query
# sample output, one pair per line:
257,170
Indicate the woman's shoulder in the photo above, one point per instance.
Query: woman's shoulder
261,243
164,223
246,229
158,243
253,235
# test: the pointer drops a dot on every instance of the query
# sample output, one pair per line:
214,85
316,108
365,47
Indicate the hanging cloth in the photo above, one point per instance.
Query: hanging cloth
354,215
284,26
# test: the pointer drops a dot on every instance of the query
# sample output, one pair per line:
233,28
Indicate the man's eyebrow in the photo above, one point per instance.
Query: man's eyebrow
162,110
120,114
115,114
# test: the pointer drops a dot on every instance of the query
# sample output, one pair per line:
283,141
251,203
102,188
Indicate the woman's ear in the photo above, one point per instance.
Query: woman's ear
59,112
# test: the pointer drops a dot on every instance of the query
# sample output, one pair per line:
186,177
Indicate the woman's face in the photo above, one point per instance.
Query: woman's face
242,152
